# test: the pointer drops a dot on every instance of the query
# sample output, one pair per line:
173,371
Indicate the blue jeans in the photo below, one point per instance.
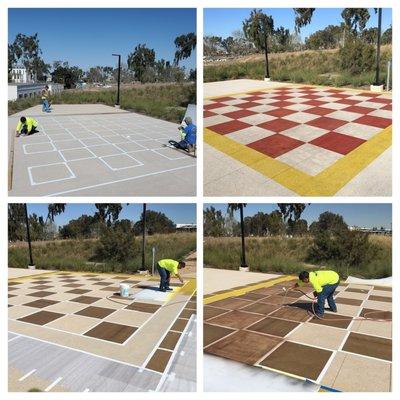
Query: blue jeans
326,294
164,277
46,106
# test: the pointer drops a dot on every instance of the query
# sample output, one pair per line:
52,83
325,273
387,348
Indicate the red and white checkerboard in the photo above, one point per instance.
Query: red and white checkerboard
309,128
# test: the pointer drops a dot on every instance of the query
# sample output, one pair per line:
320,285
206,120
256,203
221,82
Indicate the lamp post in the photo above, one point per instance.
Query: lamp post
28,236
119,77
143,268
378,47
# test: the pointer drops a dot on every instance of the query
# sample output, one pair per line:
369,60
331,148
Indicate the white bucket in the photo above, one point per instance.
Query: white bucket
124,290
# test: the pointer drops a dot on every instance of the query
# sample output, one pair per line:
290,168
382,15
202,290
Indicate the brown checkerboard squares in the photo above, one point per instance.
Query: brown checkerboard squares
78,291
95,312
41,317
85,299
159,361
41,293
111,332
41,303
143,307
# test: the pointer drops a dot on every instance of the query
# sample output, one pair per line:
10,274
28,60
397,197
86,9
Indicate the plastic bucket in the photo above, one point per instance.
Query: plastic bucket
124,290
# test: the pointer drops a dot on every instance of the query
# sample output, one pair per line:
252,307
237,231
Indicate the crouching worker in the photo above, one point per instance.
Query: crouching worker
167,267
188,136
26,126
324,284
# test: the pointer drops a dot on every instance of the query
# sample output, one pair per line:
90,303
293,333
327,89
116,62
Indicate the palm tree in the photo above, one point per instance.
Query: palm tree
232,207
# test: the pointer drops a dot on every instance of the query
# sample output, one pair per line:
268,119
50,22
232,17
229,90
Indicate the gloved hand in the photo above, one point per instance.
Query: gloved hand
315,294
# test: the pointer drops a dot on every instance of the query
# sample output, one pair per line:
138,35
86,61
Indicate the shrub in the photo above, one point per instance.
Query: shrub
356,56
116,243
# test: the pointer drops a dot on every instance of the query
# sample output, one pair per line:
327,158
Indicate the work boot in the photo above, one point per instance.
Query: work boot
168,288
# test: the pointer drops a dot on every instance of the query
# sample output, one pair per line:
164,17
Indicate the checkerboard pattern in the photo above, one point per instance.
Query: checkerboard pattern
268,329
308,128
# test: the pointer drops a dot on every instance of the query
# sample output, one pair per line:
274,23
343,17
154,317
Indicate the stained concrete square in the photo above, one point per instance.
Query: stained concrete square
378,305
179,325
159,360
170,340
335,320
41,317
41,293
211,312
143,307
231,303
244,346
368,345
298,312
318,336
353,373
273,326
376,314
236,319
212,333
85,299
95,312
298,359
351,302
116,333
42,303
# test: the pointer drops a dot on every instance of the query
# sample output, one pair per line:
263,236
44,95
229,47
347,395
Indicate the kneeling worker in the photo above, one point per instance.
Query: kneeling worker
324,284
26,126
167,267
188,135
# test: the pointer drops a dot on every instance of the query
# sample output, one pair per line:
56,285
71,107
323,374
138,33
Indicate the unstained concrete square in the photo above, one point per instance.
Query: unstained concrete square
353,373
128,317
50,173
318,336
73,323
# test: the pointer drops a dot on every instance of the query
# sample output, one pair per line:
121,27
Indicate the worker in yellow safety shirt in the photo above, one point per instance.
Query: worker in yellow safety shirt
26,126
165,268
324,284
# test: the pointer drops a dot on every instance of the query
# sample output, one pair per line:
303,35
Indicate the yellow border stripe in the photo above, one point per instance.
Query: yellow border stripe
246,289
326,183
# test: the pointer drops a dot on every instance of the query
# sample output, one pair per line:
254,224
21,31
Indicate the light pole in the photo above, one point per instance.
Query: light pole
119,77
143,268
28,236
378,47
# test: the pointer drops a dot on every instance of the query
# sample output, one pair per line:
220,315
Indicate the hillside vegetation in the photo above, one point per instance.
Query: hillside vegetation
80,255
292,255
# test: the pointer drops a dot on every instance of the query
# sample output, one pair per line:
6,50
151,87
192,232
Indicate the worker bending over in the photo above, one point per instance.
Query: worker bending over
165,268
26,126
324,284
188,136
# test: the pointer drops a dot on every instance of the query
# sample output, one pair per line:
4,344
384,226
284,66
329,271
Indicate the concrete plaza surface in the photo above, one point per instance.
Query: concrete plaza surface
81,336
281,139
83,150
259,325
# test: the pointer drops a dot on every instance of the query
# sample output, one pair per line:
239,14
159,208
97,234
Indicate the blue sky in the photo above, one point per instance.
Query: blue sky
87,37
179,213
232,19
362,215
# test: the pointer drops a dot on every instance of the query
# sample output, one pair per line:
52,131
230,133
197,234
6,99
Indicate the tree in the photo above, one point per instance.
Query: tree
141,60
300,228
107,212
66,75
184,44
55,209
291,212
327,38
156,222
370,35
281,38
387,36
16,222
355,19
257,28
26,50
213,222
303,17
275,223
232,207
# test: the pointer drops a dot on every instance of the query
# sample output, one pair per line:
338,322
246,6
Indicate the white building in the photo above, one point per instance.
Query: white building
26,90
19,74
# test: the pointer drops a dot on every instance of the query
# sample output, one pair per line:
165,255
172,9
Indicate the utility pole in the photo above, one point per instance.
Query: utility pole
119,77
244,264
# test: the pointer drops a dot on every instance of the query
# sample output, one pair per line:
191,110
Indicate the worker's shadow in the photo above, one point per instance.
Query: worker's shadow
304,305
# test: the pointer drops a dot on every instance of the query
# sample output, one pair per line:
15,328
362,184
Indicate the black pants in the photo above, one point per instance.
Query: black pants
24,130
179,145
164,277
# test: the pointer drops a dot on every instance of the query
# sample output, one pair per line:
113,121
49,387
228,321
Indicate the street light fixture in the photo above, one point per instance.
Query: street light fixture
119,77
